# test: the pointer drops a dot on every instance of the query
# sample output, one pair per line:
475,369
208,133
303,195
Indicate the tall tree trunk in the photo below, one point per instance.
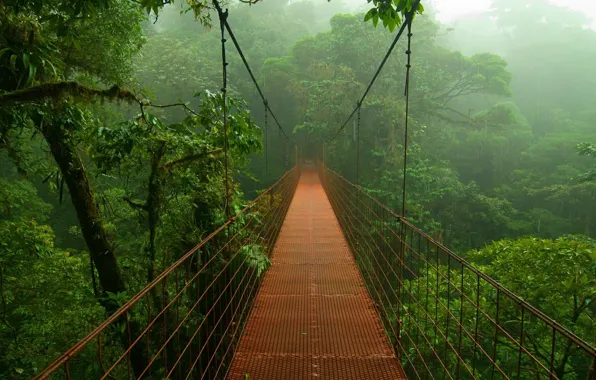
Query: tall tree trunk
102,253
76,178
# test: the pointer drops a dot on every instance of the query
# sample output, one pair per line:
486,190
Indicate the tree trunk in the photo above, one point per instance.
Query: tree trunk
101,251
154,198
75,175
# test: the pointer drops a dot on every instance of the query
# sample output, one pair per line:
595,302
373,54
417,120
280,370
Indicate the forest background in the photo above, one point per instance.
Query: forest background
502,157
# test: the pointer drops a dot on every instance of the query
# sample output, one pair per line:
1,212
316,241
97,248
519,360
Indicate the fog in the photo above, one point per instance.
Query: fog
117,156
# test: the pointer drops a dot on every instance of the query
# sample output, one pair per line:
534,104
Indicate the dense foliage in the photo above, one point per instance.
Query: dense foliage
111,143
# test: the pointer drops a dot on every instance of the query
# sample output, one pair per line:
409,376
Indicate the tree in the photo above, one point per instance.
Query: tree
450,313
558,277
587,149
53,69
36,275
175,161
37,54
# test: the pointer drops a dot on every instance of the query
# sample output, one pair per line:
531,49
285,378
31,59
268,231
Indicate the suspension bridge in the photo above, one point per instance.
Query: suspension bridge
354,291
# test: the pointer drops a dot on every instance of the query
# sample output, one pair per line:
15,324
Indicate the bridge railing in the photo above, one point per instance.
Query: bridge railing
187,322
445,318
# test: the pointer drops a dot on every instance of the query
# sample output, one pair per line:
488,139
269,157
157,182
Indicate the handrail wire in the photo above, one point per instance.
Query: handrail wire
409,16
370,234
352,206
266,228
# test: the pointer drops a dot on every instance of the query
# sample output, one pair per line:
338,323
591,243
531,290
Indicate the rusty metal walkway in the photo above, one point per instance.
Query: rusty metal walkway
313,318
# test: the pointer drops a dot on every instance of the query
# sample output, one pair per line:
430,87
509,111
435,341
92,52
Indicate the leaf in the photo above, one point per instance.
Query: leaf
5,50
372,12
399,5
13,61
26,60
392,22
32,72
53,68
76,43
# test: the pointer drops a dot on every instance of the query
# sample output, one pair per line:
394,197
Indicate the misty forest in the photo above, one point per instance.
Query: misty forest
112,146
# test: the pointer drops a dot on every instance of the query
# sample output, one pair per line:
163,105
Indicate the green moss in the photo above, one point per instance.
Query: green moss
58,90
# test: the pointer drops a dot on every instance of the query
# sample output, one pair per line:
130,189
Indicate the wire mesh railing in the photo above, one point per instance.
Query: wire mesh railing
186,323
445,318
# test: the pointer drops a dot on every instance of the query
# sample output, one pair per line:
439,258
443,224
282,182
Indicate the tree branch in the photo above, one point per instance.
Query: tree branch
471,120
536,348
582,306
174,105
453,88
57,90
190,157
134,204
443,117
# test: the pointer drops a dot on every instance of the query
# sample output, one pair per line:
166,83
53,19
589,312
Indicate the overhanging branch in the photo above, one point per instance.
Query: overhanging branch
183,105
190,157
134,204
58,90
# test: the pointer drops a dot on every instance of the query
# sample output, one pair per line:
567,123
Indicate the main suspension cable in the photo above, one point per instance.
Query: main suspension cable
252,77
409,16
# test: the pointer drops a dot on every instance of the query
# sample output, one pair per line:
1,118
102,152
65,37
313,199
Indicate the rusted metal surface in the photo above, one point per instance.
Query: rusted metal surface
313,318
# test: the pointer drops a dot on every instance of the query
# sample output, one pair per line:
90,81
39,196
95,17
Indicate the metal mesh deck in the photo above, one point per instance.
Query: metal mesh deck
313,318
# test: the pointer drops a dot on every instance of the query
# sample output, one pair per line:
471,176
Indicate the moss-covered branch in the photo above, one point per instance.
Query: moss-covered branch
134,204
59,90
189,158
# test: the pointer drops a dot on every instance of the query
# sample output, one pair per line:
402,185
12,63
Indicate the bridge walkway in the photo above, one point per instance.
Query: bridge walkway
313,318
